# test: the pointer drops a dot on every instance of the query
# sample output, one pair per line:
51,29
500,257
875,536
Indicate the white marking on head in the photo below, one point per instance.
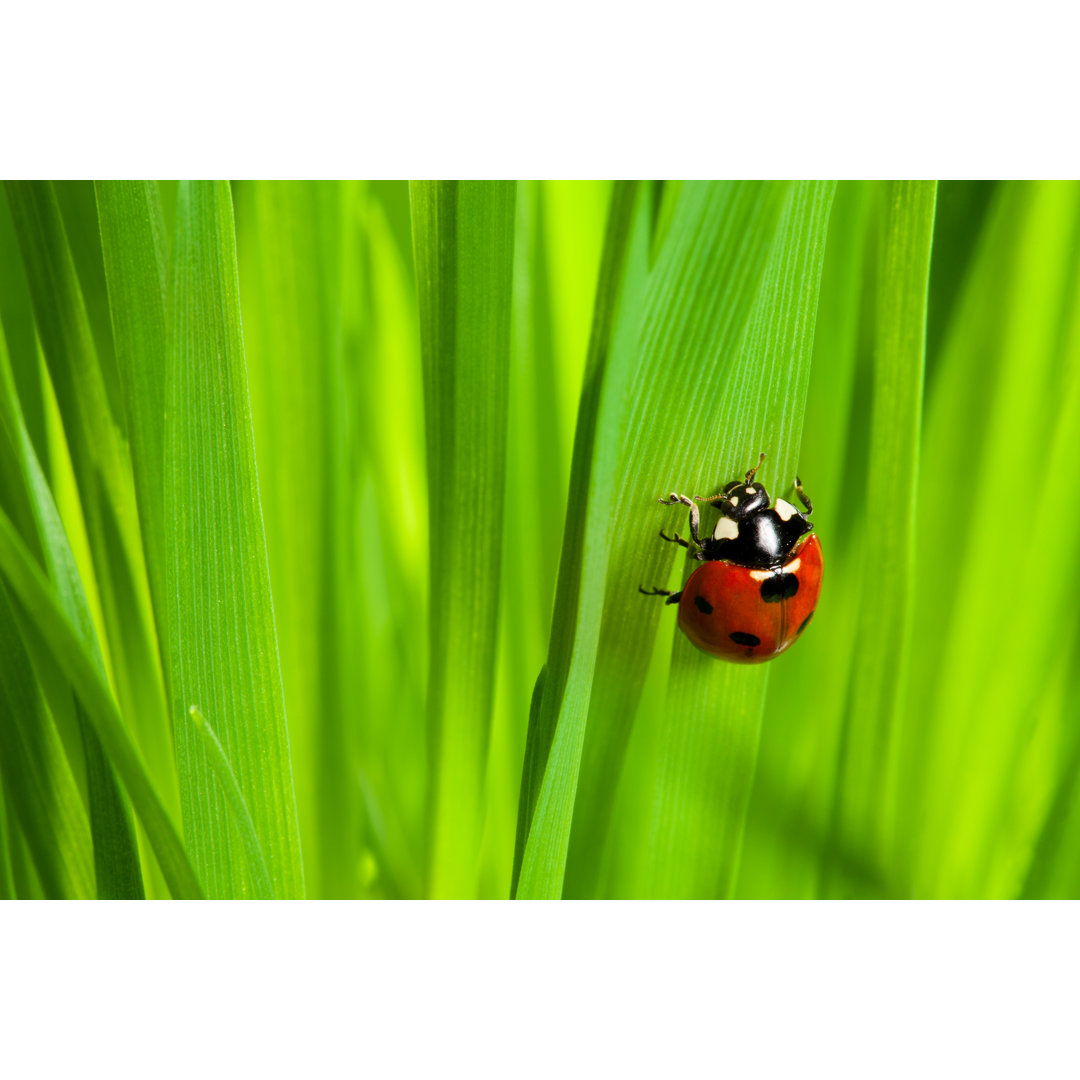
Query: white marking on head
726,529
761,575
792,566
784,510
734,500
749,491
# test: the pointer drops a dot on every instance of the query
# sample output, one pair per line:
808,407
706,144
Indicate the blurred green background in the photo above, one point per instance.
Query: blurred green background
347,466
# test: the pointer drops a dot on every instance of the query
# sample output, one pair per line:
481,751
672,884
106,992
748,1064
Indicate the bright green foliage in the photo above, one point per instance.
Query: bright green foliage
223,655
358,488
877,692
713,715
464,242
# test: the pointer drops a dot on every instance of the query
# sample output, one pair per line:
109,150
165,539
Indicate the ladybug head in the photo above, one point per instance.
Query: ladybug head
741,498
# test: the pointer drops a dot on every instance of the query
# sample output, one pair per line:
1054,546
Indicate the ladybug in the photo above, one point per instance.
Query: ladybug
759,585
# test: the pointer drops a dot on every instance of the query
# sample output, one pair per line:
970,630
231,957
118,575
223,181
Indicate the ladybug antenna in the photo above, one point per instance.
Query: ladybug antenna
750,474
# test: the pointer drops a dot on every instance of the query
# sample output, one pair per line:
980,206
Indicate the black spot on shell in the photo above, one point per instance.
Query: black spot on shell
779,587
805,623
741,638
703,605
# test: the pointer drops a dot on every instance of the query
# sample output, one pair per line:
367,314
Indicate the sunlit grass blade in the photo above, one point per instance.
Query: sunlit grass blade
714,711
386,633
992,734
222,642
789,814
557,724
43,607
292,240
260,877
867,783
705,278
464,242
557,251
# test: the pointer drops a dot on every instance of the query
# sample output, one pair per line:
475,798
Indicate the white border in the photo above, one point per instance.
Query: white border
495,989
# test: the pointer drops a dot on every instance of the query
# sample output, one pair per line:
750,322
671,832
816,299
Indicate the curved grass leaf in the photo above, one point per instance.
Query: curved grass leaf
256,861
115,856
464,244
222,641
557,725
107,500
713,719
37,777
47,616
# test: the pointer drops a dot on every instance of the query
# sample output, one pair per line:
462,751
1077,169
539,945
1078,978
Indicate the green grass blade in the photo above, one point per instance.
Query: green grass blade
260,876
557,726
389,594
135,253
17,317
714,711
7,874
464,245
115,855
700,290
293,238
38,781
222,639
867,783
791,803
45,611
78,208
105,491
992,733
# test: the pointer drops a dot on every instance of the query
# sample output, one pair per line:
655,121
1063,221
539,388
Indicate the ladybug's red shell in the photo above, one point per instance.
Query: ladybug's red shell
748,615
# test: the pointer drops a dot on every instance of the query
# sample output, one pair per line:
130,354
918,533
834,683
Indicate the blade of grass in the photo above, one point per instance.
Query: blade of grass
985,750
37,778
714,712
136,253
788,817
17,317
222,640
106,497
464,246
78,209
557,726
701,285
260,876
115,857
866,794
389,578
46,615
7,874
292,241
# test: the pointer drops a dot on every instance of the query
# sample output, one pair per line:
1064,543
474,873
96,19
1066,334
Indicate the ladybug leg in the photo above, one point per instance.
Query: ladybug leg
676,539
803,498
672,597
695,518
